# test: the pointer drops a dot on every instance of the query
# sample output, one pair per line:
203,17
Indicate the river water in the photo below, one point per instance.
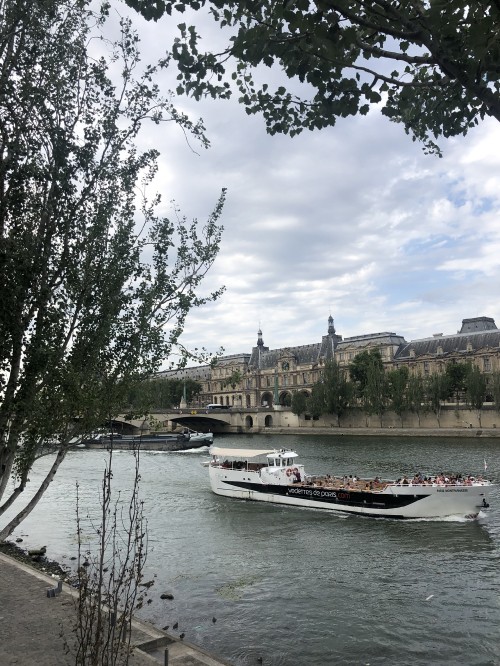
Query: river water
302,586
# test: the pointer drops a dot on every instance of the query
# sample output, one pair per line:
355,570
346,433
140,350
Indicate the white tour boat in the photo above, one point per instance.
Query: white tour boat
276,476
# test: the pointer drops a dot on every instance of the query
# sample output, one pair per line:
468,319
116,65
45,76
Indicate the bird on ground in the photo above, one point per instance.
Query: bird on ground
37,552
174,626
148,584
214,620
165,627
181,636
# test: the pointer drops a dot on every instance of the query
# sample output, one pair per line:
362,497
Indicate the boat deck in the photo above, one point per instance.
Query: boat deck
334,483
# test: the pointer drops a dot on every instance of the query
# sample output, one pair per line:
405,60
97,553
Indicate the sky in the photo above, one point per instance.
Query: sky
353,221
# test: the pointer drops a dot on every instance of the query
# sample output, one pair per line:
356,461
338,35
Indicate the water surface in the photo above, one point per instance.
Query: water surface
304,586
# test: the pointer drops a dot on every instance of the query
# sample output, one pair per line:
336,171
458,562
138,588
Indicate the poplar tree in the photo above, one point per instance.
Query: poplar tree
495,389
437,388
416,395
95,286
475,390
398,390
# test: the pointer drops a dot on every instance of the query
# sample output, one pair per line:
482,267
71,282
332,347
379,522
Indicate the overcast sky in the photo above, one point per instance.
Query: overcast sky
353,221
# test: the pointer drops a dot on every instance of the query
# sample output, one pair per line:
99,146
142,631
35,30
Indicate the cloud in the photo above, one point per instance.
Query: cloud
352,220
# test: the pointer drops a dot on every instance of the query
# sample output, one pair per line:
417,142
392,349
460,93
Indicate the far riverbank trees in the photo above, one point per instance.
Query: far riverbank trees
161,394
96,286
366,386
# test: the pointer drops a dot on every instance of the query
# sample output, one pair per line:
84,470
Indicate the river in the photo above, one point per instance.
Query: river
297,586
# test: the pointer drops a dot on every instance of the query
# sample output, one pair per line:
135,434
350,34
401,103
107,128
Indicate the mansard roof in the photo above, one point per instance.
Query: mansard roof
478,324
200,372
465,341
231,359
384,338
269,358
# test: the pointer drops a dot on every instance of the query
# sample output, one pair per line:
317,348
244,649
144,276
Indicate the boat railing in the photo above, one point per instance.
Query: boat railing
463,484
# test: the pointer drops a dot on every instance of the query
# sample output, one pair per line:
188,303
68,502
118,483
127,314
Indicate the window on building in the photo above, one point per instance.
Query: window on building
426,368
487,364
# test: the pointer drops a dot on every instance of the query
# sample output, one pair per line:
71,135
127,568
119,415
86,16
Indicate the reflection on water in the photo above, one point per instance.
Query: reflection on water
302,586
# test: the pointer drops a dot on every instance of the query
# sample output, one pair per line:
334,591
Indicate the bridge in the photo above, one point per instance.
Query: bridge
231,420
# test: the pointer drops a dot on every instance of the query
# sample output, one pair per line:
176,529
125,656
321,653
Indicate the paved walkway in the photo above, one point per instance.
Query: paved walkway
32,626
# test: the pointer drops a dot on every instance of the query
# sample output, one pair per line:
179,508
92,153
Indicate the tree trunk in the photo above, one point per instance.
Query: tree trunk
10,527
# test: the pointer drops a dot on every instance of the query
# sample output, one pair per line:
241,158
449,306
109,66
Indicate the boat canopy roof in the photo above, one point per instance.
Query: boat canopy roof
239,453
252,453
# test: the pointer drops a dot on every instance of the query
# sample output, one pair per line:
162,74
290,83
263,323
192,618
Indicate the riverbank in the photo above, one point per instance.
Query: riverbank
387,432
35,627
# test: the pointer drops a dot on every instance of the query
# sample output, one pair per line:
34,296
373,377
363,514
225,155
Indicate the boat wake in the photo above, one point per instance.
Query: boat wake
198,449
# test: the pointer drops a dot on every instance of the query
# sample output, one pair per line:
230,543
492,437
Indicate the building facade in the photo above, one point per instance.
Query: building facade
268,377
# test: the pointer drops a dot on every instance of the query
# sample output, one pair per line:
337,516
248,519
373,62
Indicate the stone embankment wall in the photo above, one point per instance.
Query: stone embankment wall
459,420
450,417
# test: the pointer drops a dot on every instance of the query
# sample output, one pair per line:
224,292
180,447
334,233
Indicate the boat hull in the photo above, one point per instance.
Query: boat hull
396,502
173,443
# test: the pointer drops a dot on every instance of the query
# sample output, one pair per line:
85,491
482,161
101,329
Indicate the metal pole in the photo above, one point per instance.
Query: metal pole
166,657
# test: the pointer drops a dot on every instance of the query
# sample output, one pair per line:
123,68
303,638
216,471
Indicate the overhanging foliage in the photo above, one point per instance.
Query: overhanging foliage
431,66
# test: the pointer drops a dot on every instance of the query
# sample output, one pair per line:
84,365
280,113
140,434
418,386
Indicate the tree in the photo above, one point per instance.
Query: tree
235,378
397,386
416,398
431,66
368,375
375,393
359,368
96,287
475,389
316,403
161,394
495,389
456,374
437,388
338,391
110,575
299,403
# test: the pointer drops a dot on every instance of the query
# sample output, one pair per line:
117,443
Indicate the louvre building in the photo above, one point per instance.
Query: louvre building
265,377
